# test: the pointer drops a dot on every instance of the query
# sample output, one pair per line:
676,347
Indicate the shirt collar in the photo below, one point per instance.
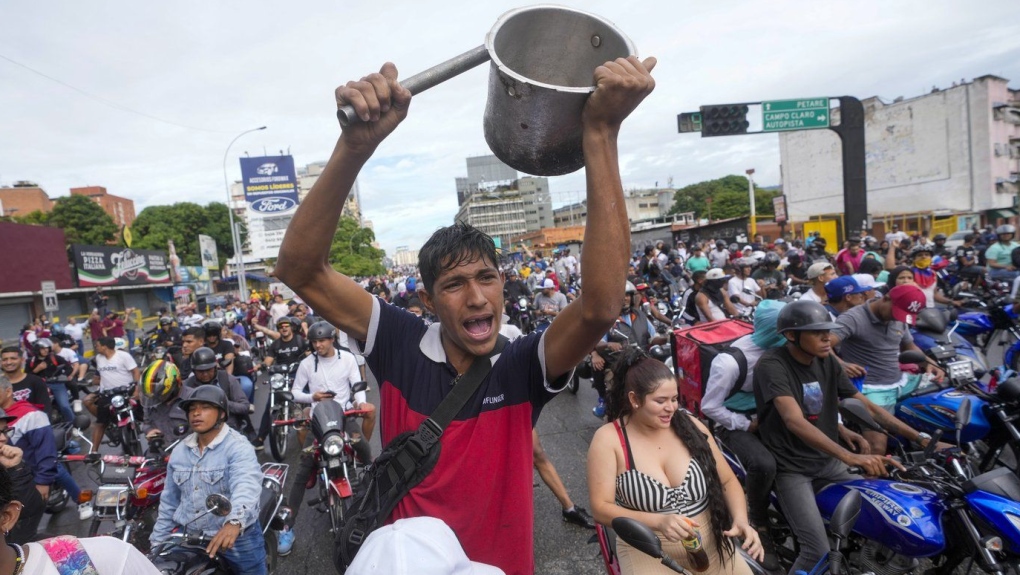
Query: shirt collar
192,440
431,344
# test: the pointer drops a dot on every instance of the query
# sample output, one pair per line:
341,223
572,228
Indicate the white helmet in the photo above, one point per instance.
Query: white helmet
629,288
120,343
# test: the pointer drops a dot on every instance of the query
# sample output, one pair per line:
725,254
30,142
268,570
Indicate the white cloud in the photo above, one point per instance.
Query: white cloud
227,67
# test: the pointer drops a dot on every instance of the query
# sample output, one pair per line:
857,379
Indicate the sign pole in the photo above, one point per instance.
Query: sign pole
241,284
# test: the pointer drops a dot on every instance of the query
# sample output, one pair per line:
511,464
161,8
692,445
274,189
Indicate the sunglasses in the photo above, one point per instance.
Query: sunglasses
6,432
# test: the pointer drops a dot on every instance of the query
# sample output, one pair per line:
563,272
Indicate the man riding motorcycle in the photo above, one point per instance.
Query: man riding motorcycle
206,371
214,459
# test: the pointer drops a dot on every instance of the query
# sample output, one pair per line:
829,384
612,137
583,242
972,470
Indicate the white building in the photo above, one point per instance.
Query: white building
405,256
952,151
495,200
641,205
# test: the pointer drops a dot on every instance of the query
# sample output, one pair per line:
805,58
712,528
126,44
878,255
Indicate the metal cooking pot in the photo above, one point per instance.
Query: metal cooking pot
542,62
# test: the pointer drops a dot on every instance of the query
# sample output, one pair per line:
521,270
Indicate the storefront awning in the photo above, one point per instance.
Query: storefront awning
1001,213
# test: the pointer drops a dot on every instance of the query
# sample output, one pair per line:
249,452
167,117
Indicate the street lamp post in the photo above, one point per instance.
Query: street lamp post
242,283
750,192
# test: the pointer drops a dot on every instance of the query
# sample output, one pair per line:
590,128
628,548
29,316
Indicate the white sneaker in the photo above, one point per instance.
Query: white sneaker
85,511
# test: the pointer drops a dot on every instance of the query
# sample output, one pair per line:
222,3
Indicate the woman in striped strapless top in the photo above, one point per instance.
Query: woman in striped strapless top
659,465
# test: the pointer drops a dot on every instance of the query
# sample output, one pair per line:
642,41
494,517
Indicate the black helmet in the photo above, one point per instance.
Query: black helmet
294,323
203,358
918,249
939,237
41,343
804,315
166,320
321,330
771,259
211,394
719,244
212,328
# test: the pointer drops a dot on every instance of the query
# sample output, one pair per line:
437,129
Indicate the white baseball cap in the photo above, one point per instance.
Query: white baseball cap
866,281
715,274
420,545
548,284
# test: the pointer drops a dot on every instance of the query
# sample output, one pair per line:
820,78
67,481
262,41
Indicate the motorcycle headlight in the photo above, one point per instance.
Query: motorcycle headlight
333,445
117,401
277,381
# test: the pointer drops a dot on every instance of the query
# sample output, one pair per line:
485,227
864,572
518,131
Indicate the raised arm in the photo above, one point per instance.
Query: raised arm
303,263
620,86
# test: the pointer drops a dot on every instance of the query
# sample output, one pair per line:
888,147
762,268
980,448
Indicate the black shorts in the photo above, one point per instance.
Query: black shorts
103,413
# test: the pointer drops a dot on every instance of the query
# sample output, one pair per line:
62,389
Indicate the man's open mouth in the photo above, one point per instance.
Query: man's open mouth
479,328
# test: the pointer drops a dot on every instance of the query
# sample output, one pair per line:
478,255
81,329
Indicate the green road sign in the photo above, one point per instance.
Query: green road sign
689,122
786,115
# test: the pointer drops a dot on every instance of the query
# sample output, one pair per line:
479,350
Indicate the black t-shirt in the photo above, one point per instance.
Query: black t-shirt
173,335
287,352
799,271
817,388
222,348
970,253
33,390
55,366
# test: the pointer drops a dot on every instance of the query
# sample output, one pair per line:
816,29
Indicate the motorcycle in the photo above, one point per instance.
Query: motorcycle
184,553
281,408
259,347
124,429
520,314
338,467
149,350
65,439
931,332
987,325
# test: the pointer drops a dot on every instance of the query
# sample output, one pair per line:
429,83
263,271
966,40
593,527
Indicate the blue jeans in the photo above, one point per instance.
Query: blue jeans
65,480
1002,275
130,338
62,399
247,386
249,553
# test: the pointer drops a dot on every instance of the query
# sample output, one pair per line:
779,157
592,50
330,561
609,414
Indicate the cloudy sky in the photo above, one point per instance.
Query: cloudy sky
143,98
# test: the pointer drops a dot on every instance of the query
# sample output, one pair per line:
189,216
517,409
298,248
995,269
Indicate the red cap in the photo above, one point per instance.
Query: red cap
907,301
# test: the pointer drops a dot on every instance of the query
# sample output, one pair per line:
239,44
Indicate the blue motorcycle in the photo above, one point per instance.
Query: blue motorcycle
989,323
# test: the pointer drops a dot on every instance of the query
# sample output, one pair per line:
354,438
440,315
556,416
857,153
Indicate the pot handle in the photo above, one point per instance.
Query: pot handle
424,80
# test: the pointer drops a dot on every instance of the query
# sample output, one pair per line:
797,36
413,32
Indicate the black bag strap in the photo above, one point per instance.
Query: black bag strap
741,359
465,386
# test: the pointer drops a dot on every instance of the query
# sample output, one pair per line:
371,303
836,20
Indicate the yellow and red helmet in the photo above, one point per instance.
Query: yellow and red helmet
160,382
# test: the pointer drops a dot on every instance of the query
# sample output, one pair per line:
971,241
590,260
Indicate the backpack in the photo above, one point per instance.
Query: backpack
695,347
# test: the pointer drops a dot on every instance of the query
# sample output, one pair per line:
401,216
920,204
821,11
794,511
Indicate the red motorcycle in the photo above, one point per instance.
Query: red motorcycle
122,406
128,493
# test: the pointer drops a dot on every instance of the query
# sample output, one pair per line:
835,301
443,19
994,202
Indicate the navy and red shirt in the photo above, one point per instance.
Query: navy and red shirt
482,484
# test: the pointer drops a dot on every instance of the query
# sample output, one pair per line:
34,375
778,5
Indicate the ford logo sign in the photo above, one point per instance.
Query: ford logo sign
273,205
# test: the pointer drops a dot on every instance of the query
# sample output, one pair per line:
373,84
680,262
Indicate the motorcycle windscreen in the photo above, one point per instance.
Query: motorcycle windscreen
327,416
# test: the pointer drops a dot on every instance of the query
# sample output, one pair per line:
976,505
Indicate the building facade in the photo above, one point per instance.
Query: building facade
494,199
951,151
22,199
122,210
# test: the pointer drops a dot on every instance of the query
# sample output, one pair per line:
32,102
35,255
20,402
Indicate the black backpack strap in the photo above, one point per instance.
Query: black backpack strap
432,428
741,359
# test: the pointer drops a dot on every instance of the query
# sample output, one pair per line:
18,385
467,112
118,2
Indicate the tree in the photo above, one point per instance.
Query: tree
351,252
36,218
83,221
183,222
728,199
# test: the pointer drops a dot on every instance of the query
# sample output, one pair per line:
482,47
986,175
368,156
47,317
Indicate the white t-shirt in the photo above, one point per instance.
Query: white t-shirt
69,355
810,295
736,286
110,556
278,310
76,331
336,374
115,371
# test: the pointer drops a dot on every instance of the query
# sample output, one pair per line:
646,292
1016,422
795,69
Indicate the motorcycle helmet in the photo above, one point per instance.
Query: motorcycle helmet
629,289
210,394
720,245
212,328
166,321
804,315
203,358
42,343
771,259
1005,229
321,330
120,343
160,382
734,247
294,323
919,250
939,237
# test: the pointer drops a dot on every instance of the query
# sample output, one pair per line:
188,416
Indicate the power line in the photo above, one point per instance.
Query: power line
107,102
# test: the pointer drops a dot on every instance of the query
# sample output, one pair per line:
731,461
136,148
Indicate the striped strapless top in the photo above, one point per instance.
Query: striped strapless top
641,492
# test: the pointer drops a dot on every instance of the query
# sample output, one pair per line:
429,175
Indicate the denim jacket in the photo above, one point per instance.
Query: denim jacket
228,466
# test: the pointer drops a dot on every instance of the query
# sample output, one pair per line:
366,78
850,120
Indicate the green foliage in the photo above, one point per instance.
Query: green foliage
728,199
351,252
83,221
36,218
182,222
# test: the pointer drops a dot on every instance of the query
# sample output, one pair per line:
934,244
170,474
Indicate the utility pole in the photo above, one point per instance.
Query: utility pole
750,192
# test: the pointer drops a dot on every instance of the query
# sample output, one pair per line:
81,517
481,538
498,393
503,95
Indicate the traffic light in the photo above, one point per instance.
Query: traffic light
724,120
689,122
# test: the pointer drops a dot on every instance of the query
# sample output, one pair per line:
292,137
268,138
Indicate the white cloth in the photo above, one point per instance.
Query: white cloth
115,371
345,341
715,310
76,331
721,377
277,311
509,330
68,354
419,545
336,373
736,286
193,320
110,556
810,295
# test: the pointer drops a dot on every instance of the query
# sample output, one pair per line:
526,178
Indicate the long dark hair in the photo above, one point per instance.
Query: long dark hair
635,371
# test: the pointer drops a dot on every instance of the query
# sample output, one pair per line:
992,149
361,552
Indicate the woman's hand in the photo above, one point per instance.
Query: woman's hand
675,527
752,543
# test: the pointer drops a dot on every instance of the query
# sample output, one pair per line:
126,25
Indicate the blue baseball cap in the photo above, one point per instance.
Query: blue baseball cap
843,286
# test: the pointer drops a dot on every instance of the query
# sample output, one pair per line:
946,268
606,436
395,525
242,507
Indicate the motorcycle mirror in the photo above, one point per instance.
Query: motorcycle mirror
846,514
638,536
913,356
218,505
286,394
855,412
359,386
735,299
963,414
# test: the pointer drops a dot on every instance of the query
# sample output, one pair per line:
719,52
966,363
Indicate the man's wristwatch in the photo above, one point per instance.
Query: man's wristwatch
235,523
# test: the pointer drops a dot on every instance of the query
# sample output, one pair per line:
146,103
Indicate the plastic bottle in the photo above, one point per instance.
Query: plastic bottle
695,549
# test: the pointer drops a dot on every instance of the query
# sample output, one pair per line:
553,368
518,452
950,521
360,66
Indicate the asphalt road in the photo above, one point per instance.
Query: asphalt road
565,427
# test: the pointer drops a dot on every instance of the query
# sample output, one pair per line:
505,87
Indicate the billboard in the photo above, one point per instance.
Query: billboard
109,266
271,192
270,184
210,257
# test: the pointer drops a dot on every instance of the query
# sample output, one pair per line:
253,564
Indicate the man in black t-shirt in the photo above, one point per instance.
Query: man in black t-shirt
288,348
27,387
224,350
193,338
797,389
